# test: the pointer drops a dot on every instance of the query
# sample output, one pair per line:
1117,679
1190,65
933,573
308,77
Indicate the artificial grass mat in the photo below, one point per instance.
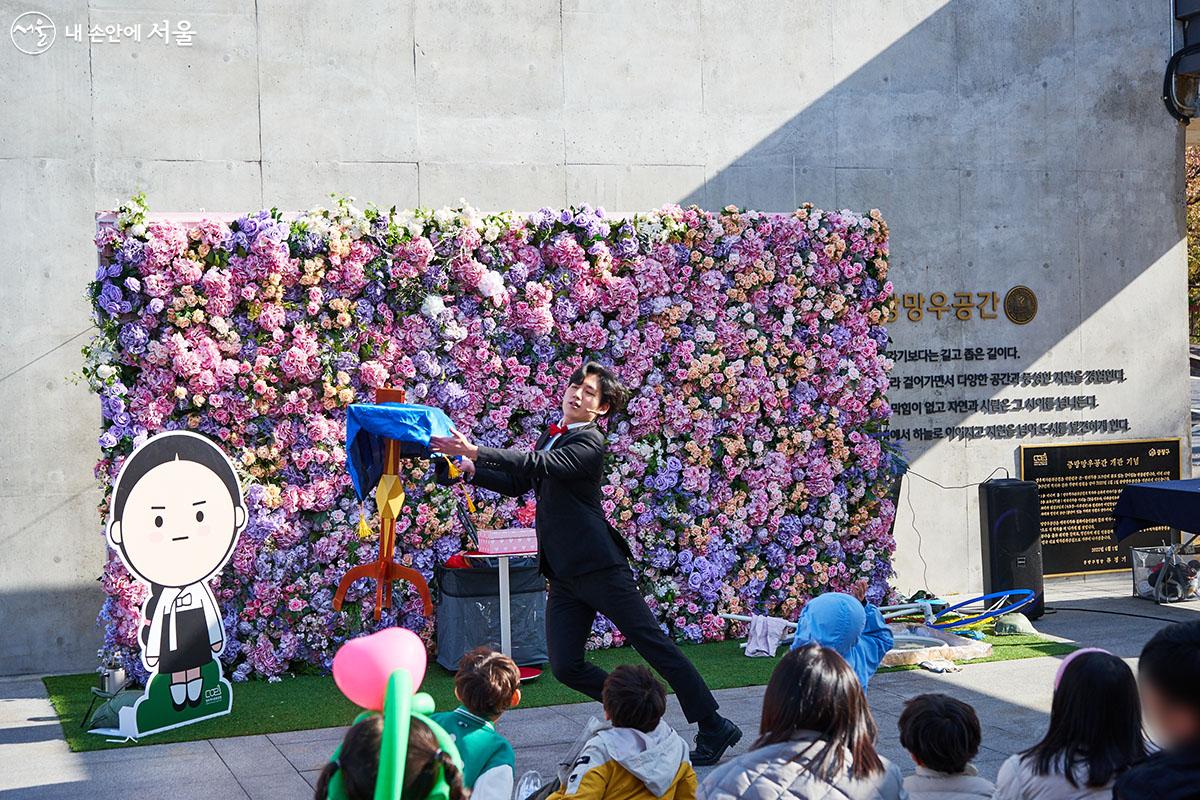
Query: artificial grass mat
313,701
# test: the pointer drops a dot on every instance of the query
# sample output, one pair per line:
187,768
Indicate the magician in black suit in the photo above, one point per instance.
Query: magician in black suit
583,556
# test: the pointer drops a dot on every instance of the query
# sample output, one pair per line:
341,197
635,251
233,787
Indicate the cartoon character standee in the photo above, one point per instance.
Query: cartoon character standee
174,519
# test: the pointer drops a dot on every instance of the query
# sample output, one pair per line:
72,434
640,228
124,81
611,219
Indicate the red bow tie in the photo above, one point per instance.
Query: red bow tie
556,430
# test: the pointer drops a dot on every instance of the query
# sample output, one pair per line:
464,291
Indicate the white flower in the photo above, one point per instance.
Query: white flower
470,216
453,333
652,227
443,215
104,372
138,230
491,285
432,306
491,233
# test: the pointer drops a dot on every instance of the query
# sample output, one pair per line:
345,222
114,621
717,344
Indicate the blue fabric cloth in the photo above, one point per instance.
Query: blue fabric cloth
368,427
1145,505
839,621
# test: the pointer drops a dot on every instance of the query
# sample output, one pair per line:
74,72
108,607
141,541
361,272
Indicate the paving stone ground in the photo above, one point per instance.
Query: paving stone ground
1012,698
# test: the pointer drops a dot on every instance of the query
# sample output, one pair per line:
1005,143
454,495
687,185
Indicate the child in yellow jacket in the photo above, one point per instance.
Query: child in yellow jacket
636,757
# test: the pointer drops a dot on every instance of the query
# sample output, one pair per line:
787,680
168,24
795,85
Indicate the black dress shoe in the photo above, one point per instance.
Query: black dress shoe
712,745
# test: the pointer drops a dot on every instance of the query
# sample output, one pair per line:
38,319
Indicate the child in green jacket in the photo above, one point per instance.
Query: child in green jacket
487,684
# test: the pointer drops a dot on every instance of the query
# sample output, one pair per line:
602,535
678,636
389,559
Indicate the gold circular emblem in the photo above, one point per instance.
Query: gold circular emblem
1020,305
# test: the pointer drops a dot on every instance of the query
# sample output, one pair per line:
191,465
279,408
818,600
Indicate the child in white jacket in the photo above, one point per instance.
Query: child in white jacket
1095,734
942,735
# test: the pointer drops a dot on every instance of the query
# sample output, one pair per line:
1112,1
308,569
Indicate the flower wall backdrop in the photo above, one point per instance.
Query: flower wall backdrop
749,473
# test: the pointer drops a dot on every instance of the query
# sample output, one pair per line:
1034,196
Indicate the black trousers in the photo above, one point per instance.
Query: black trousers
570,611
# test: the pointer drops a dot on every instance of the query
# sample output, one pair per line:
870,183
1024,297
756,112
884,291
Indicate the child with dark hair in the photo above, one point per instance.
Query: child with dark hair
638,756
1167,675
1095,734
358,763
487,684
816,740
942,735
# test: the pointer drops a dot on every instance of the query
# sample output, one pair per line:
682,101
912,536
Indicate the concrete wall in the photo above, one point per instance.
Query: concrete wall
1006,141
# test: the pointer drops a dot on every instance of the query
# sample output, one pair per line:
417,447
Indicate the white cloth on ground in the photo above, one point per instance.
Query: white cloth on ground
764,636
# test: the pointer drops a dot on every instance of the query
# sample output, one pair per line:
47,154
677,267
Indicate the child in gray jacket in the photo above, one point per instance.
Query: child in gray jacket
942,735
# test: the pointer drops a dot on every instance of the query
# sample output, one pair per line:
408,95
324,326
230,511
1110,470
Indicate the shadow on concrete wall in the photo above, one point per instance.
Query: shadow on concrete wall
54,649
993,138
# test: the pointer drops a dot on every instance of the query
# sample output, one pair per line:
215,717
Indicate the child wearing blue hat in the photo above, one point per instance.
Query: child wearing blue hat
841,622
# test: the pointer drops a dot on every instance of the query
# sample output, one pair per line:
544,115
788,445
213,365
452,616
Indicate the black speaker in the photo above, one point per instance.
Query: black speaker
1010,527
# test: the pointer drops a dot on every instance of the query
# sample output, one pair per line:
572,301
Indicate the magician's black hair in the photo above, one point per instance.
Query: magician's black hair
612,391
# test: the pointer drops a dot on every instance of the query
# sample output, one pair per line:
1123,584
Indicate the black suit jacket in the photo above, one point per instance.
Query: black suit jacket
574,536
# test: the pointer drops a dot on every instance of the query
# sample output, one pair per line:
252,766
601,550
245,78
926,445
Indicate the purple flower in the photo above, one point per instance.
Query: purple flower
110,298
133,338
131,253
248,226
661,558
111,405
312,244
803,393
374,292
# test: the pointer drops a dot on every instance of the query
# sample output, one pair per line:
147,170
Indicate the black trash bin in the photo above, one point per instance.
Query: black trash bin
468,610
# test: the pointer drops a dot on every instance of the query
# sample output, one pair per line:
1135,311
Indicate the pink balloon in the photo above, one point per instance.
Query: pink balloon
362,666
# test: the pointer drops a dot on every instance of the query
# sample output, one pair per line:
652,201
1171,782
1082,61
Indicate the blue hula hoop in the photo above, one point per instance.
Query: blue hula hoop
1027,596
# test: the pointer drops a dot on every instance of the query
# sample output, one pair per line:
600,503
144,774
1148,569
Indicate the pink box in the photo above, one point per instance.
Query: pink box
508,540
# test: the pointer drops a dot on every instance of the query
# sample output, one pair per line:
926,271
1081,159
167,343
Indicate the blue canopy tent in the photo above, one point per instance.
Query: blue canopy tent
1161,573
1146,505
